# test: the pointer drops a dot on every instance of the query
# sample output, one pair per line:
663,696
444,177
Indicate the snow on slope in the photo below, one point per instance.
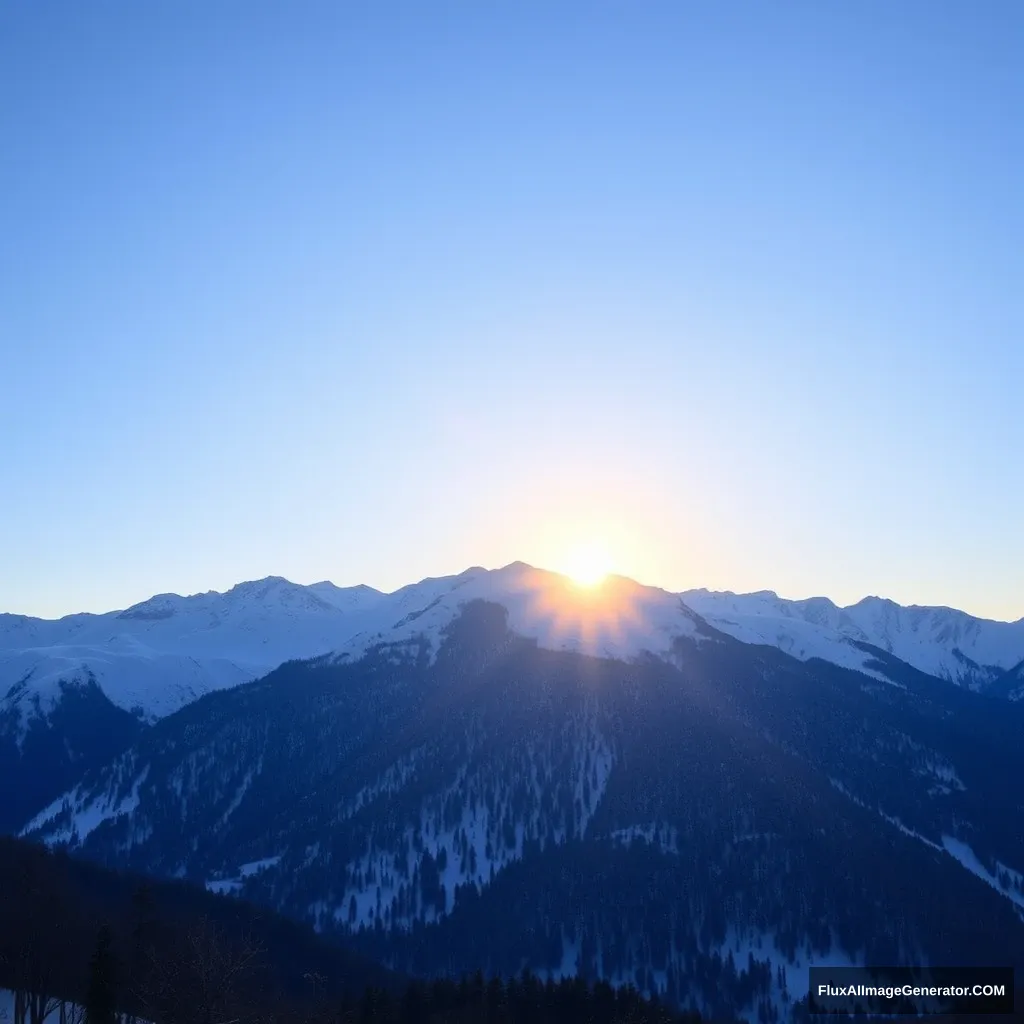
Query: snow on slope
765,619
86,813
942,642
147,682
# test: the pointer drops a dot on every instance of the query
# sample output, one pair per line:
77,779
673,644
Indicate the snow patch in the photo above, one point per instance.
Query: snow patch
230,886
71,818
465,834
1010,885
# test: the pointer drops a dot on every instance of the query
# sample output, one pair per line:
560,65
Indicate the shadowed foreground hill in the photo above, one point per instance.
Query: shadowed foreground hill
173,953
170,942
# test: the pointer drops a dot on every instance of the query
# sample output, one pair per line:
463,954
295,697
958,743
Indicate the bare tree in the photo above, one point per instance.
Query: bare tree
200,980
71,1013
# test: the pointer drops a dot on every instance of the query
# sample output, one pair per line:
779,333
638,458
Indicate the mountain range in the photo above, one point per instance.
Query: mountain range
699,793
76,691
156,656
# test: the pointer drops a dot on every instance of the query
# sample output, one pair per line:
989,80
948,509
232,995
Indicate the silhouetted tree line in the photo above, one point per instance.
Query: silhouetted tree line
84,945
521,1000
77,933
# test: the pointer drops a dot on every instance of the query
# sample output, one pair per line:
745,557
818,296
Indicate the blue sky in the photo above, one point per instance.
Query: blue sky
372,292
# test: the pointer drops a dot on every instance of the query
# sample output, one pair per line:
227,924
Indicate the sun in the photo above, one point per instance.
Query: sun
588,565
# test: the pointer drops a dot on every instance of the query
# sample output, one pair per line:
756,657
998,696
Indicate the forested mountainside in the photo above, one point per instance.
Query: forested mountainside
704,827
84,944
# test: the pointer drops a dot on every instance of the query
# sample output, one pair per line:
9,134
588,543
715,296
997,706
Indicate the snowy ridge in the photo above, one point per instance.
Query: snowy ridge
622,619
150,683
159,655
941,642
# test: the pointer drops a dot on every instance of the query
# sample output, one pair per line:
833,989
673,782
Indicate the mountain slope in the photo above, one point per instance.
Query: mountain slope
695,822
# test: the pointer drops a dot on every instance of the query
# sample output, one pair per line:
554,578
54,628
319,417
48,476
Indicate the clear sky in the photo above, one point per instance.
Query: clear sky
376,291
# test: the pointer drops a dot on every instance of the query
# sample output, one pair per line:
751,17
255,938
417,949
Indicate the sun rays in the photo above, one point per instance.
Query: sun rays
589,609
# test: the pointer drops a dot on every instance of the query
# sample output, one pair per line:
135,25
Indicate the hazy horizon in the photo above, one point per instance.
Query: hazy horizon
373,294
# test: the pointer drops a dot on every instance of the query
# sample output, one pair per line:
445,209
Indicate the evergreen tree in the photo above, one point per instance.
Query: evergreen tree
101,994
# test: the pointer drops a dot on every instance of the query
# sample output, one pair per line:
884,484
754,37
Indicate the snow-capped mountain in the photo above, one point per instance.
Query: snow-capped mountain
158,655
940,642
155,656
73,692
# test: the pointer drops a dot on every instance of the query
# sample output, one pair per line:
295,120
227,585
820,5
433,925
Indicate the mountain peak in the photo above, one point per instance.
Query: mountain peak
873,599
260,587
160,606
516,566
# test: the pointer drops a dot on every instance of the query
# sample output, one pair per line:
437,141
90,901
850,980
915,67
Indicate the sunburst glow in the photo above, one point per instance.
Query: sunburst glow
588,565
600,619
